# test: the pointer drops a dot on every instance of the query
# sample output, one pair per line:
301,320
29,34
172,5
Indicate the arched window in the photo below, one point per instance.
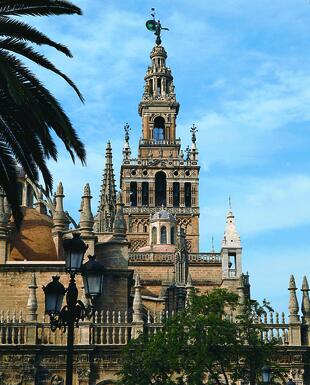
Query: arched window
29,196
176,194
188,194
133,193
145,194
154,235
163,235
160,188
172,235
159,128
158,86
20,188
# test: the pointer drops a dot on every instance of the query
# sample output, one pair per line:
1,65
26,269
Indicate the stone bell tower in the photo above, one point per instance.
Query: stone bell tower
161,176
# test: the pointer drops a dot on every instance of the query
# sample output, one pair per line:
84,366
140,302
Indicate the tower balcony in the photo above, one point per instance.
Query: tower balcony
159,142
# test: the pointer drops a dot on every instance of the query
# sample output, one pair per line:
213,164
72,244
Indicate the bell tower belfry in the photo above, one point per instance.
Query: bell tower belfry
162,176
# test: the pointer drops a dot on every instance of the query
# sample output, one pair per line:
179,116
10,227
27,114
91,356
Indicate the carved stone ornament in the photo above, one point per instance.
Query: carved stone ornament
83,373
57,380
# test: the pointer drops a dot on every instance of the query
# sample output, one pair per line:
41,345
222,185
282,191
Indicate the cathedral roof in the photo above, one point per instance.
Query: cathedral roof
34,242
163,214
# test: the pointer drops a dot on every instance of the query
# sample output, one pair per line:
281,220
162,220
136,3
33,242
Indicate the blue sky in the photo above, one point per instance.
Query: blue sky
241,71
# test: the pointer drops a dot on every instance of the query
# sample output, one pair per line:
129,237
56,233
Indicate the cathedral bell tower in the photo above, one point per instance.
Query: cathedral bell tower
161,176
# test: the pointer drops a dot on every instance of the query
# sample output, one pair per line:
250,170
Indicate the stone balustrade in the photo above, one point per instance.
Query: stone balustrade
112,328
205,258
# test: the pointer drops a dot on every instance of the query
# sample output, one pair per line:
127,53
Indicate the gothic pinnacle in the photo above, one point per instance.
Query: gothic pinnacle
107,200
86,218
293,302
305,305
137,306
120,227
60,220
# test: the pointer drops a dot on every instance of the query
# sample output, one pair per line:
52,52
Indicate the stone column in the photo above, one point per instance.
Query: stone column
182,202
139,194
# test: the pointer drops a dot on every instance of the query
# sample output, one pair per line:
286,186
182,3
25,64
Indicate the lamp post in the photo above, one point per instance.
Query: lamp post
266,374
68,317
290,382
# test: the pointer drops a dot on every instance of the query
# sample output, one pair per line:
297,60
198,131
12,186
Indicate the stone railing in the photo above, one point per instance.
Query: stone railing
205,258
106,328
113,328
159,142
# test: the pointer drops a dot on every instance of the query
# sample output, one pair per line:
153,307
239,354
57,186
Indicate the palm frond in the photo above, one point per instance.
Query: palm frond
22,31
22,48
52,110
8,181
37,8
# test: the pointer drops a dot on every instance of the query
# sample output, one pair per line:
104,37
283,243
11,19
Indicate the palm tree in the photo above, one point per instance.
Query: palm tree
28,111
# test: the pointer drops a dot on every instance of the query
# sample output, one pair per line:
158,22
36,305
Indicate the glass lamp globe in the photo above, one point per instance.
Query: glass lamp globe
266,374
74,249
92,273
54,295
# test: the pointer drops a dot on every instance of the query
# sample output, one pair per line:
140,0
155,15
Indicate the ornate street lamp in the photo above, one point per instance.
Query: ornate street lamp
74,311
92,273
74,252
266,374
54,295
290,382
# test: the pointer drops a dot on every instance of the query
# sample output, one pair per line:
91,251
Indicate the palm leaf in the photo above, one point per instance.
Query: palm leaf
8,181
22,31
38,8
23,49
54,114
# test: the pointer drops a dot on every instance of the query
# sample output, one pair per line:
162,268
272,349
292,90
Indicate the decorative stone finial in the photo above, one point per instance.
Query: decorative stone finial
60,219
305,305
137,301
32,303
120,227
293,302
86,218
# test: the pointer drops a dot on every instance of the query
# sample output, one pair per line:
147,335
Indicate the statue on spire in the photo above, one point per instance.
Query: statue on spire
193,130
155,26
127,129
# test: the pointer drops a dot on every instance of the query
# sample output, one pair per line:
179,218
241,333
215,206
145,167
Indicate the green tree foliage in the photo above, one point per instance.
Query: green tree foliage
28,111
200,345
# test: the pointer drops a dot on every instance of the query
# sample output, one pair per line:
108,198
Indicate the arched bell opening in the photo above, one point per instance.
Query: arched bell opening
159,128
160,189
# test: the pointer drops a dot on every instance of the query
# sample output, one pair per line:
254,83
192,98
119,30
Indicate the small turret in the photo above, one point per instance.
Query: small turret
231,248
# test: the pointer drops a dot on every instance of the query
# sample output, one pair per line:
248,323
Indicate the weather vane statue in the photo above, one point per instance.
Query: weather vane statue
155,26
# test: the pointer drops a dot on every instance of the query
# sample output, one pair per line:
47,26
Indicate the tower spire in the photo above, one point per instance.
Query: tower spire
107,200
231,235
